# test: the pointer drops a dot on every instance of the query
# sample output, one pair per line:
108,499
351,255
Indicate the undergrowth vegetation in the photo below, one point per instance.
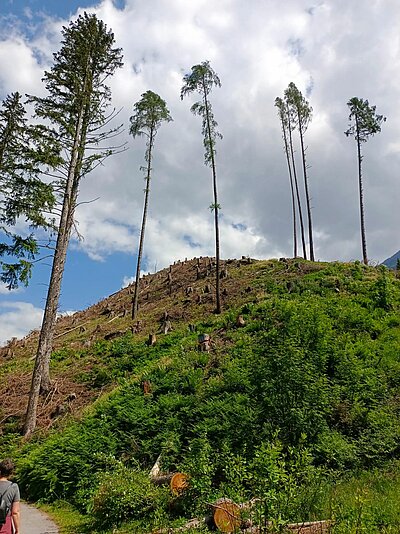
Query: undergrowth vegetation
299,408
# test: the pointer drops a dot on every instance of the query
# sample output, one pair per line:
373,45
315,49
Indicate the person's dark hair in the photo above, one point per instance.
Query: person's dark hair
6,467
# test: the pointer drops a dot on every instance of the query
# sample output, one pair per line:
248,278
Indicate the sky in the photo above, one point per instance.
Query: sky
332,50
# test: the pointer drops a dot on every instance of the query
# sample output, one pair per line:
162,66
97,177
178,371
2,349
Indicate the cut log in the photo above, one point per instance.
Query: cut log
156,469
310,527
179,482
160,480
226,515
190,525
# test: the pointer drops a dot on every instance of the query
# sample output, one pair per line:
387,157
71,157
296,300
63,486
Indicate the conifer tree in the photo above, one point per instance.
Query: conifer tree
302,112
149,113
23,194
364,122
291,123
78,109
283,116
202,79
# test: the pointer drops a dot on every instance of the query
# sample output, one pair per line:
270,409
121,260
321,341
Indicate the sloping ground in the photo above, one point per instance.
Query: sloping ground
308,378
392,261
185,291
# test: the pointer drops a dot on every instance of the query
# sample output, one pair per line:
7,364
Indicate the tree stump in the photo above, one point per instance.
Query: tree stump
240,321
166,327
226,515
146,384
204,343
136,328
224,273
152,340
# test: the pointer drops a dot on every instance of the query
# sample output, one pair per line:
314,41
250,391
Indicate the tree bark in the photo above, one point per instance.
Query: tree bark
291,190
303,241
135,303
310,231
41,373
216,218
360,187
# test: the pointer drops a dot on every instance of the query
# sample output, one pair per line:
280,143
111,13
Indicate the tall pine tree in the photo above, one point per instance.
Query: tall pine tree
202,79
302,111
364,122
78,109
283,116
149,113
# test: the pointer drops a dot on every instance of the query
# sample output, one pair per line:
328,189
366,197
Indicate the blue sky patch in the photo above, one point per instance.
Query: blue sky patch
188,239
239,226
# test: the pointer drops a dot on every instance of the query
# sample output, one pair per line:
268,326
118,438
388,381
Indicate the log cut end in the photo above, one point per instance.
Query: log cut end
226,515
179,482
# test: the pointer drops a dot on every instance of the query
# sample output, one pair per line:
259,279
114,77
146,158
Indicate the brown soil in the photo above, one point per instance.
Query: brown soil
187,296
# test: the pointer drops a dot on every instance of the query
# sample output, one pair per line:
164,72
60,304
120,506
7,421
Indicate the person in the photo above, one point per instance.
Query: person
10,492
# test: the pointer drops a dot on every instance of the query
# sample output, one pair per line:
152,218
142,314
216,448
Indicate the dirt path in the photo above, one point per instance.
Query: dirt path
33,521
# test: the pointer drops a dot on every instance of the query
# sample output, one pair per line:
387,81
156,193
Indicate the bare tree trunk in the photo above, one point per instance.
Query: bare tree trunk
135,300
303,241
292,192
40,376
310,232
216,209
360,185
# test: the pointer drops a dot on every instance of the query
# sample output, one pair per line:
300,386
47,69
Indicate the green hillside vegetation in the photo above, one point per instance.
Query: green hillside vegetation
298,407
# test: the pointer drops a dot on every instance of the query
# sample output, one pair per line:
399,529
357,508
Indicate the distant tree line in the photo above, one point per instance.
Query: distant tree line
42,165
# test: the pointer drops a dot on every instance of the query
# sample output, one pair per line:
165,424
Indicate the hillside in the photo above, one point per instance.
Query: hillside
391,262
297,390
184,291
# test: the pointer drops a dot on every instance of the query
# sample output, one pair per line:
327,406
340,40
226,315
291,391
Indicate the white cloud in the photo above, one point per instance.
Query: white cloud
5,291
334,49
18,318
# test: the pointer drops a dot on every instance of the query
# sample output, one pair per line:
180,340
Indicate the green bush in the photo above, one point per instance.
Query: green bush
123,495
